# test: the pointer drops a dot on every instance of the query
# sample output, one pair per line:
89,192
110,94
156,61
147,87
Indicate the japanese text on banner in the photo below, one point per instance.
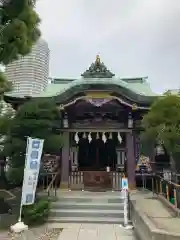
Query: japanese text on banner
31,171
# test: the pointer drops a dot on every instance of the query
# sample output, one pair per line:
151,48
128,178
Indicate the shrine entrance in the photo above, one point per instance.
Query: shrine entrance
97,155
97,158
94,157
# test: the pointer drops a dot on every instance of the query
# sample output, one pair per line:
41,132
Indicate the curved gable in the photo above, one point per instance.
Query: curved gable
98,77
133,93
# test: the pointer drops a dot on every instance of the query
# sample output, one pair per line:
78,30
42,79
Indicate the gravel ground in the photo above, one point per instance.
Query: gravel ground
38,233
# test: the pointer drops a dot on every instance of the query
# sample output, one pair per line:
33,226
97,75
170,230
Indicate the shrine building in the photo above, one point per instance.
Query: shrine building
101,125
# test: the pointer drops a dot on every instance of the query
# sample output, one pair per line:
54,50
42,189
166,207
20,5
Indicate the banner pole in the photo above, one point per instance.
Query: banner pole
20,213
20,210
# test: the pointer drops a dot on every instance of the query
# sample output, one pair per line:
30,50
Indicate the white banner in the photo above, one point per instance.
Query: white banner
124,184
31,170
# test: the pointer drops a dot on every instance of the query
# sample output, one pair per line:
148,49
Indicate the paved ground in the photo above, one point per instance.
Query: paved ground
74,232
42,233
156,211
94,232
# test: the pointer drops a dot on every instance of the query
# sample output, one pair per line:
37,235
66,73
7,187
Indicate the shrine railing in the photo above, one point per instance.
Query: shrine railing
116,181
76,180
52,187
168,190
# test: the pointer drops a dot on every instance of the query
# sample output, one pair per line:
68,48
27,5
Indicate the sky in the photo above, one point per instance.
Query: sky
134,38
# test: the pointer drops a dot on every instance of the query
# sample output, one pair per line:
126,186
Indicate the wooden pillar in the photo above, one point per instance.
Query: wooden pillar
65,161
118,157
131,162
76,157
136,146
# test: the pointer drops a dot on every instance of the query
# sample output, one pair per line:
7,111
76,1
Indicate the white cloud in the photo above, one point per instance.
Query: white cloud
133,37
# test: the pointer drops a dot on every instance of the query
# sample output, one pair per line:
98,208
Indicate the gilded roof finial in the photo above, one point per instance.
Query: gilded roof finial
97,70
98,60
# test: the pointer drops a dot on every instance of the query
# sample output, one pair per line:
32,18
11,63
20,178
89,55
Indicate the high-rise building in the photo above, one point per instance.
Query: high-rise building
29,75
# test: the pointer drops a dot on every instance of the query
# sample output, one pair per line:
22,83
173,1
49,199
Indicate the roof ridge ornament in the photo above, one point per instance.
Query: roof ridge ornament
97,70
98,60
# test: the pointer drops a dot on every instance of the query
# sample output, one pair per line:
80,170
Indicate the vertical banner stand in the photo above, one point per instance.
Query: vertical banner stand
126,224
20,226
34,149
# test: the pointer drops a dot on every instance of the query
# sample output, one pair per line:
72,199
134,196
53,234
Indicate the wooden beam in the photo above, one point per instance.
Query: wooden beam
94,130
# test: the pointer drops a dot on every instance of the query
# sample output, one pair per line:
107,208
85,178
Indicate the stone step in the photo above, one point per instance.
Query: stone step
86,213
87,205
99,220
90,200
89,195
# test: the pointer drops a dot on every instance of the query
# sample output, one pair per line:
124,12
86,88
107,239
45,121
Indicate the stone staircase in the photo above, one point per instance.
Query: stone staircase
87,207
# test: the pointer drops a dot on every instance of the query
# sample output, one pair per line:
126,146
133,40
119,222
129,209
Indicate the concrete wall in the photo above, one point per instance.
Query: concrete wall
145,229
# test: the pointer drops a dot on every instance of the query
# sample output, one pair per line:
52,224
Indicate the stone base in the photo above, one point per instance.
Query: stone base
19,227
64,185
127,227
132,186
79,187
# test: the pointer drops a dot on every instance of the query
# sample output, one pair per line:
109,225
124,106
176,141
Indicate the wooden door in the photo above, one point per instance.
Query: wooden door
97,180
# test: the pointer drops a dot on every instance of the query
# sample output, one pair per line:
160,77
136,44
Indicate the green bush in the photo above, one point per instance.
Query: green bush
5,207
15,176
37,213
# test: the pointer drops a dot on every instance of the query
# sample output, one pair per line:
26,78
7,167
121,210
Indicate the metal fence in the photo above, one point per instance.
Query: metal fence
49,182
168,189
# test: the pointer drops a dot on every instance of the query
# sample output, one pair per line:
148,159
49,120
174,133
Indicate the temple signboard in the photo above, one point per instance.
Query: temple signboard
98,102
98,98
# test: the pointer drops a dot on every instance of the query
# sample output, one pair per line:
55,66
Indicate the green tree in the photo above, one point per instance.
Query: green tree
18,32
162,124
5,86
36,118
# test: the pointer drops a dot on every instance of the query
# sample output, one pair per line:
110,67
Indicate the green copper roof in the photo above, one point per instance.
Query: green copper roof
97,77
62,80
141,87
52,90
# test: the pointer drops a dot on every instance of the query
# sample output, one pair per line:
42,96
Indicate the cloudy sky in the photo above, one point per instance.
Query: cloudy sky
133,37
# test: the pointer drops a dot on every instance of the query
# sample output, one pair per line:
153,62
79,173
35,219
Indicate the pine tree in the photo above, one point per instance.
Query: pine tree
19,30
